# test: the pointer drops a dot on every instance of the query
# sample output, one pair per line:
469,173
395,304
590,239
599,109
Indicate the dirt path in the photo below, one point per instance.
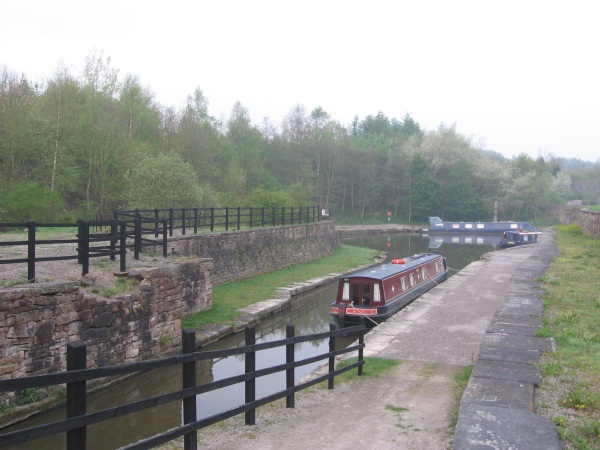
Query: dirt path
407,407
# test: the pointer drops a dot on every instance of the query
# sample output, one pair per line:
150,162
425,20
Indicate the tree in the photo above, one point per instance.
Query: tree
425,190
166,181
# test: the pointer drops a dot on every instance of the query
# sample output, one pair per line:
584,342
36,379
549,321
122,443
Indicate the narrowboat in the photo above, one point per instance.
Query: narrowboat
379,292
438,226
519,237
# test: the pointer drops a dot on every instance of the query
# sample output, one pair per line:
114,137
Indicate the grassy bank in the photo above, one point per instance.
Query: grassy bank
229,297
570,391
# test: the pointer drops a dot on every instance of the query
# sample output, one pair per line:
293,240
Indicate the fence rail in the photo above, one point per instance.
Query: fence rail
141,228
228,218
77,375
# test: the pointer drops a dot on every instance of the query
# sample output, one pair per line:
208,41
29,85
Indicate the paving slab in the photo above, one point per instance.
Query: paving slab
500,428
502,370
501,393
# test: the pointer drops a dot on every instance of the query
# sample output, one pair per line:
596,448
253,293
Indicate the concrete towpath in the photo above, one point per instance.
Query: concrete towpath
485,315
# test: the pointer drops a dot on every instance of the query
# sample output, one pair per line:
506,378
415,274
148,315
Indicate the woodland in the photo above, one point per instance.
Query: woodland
82,146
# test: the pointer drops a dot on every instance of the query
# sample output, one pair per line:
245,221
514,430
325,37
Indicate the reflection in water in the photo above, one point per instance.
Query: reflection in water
309,314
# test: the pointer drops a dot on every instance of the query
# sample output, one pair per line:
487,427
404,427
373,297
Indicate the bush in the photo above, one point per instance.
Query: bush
27,200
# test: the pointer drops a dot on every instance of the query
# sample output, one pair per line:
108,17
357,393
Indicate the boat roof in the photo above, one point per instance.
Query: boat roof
389,269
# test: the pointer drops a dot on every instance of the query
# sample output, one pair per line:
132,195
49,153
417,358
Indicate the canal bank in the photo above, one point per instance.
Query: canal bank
485,315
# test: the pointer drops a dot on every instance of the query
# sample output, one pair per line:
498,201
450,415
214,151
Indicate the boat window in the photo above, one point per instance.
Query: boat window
514,226
437,266
355,294
412,278
346,291
468,225
376,293
403,282
455,225
480,225
424,271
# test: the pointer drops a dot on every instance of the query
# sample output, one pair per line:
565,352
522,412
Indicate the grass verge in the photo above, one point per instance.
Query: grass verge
229,297
569,394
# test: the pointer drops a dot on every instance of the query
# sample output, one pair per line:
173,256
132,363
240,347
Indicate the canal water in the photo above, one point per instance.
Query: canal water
311,315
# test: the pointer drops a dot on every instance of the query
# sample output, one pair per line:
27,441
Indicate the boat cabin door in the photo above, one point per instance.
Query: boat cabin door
361,293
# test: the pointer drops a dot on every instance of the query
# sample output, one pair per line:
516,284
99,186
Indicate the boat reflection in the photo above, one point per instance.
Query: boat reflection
438,240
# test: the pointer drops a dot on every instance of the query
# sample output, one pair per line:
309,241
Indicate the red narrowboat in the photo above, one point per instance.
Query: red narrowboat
380,292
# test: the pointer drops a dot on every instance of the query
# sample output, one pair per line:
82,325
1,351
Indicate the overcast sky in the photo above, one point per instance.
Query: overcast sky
514,76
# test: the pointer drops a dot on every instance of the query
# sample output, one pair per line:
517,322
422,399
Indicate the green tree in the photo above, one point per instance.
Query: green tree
166,181
425,190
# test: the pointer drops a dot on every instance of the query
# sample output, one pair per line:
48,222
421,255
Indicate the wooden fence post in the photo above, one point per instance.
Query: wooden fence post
76,395
361,341
31,251
164,240
137,237
189,381
330,382
289,358
250,385
122,246
171,221
84,246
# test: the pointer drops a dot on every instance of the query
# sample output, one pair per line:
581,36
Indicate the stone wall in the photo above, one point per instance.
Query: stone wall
244,254
589,221
38,320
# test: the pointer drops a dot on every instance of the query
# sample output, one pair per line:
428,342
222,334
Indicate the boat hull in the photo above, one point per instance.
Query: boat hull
347,313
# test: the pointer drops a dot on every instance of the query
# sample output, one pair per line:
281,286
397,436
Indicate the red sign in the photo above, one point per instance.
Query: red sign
360,312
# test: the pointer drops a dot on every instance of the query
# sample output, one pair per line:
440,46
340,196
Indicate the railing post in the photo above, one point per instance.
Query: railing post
250,385
189,381
300,216
212,219
76,395
31,251
137,237
84,248
123,246
239,217
289,358
164,240
361,341
195,220
262,221
171,221
183,213
330,382
273,216
227,218
292,215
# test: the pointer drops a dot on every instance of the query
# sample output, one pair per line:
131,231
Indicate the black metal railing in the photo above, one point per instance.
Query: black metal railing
76,376
199,220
